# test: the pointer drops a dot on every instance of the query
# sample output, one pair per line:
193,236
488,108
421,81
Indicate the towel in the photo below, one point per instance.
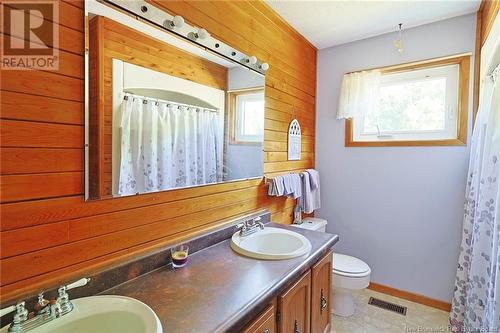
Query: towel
313,178
287,182
286,185
310,191
276,187
296,184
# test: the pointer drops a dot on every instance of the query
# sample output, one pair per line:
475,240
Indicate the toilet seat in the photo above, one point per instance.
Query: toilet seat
349,266
350,272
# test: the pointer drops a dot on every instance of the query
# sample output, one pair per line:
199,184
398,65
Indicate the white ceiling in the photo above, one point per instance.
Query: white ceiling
327,23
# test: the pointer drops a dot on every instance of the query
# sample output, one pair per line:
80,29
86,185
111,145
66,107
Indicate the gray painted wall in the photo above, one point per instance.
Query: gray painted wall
399,209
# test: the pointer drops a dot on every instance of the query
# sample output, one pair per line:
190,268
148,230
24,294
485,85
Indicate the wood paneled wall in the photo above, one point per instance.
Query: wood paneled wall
112,40
49,234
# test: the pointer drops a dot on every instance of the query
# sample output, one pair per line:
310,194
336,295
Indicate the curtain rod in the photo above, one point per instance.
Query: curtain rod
413,63
125,97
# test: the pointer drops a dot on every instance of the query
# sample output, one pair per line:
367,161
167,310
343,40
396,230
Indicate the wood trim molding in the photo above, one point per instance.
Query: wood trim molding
485,17
463,60
409,296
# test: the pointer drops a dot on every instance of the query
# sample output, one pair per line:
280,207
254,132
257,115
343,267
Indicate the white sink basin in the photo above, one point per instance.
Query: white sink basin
104,314
272,244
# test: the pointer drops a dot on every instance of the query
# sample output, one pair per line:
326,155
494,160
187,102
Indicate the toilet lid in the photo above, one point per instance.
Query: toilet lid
348,264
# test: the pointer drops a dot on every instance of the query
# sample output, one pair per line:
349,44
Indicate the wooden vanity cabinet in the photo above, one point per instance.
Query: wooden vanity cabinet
295,307
302,308
321,277
265,322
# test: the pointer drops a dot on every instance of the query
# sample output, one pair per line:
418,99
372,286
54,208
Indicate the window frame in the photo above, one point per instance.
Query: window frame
463,62
233,119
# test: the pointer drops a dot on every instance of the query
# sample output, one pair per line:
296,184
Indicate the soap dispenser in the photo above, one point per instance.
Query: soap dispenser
297,214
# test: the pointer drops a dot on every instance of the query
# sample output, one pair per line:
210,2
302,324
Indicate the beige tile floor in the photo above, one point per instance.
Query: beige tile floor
371,319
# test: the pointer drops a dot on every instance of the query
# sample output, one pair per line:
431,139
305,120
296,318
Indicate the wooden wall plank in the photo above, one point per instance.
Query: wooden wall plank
36,186
44,135
25,214
36,83
40,160
50,234
19,106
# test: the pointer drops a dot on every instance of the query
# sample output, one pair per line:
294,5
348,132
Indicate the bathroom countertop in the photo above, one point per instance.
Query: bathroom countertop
219,289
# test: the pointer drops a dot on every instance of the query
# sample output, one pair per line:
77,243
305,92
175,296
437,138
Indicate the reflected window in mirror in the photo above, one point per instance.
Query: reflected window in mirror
247,115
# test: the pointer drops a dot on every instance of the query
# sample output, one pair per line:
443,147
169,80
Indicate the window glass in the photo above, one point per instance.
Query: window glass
249,125
413,105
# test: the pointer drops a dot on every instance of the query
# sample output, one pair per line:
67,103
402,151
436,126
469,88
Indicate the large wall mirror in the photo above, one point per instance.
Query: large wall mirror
162,112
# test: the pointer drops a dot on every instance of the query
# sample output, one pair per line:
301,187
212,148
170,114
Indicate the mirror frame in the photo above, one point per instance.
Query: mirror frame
119,10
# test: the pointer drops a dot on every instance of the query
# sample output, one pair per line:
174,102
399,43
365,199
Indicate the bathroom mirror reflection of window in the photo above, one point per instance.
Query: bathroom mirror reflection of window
168,119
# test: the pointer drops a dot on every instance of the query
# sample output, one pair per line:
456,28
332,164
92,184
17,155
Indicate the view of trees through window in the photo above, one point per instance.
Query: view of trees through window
409,106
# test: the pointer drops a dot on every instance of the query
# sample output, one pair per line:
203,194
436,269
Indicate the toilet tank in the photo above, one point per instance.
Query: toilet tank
312,223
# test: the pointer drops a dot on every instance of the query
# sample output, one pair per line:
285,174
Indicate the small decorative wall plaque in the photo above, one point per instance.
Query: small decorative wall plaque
294,141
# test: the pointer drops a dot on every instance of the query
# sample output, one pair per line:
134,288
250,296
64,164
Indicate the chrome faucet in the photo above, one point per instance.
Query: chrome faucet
44,310
251,226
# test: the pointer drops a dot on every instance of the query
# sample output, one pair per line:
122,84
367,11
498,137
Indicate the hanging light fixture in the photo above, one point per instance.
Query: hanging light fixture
398,43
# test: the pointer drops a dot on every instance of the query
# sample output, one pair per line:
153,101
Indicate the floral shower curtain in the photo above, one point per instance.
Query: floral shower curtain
476,300
167,146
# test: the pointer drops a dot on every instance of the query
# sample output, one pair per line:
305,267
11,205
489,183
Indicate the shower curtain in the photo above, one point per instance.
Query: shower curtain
476,300
165,145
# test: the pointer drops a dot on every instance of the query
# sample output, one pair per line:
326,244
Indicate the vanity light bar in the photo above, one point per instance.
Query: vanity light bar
200,36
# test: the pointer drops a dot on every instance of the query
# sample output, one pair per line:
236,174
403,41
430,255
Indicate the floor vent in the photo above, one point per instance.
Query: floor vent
388,306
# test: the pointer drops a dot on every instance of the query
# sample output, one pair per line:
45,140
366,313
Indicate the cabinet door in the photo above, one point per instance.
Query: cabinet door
294,307
320,296
265,322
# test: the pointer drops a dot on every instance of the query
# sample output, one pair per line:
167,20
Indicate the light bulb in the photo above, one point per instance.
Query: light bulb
178,21
252,60
264,66
202,33
399,45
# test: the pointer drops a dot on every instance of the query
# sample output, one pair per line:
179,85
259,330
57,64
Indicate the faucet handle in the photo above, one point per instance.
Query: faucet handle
79,283
41,304
7,310
20,315
63,298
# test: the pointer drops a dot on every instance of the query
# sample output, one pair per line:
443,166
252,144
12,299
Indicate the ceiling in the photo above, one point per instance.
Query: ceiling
327,23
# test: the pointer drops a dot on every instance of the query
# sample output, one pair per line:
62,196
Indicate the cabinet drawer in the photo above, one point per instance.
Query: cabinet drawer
265,323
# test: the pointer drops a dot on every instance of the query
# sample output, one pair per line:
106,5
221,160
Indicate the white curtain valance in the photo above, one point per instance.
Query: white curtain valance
359,94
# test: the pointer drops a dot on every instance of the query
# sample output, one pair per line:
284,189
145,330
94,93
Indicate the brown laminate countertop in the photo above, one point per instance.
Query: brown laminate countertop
219,287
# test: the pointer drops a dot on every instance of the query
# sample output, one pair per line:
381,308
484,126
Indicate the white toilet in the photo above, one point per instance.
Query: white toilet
349,273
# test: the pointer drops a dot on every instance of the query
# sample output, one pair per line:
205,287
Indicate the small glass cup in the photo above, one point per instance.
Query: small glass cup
179,255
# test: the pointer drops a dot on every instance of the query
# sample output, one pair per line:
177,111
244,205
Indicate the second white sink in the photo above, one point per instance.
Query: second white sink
272,244
104,314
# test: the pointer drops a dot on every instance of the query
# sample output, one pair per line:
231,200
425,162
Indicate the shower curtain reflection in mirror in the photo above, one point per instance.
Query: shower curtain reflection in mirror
166,145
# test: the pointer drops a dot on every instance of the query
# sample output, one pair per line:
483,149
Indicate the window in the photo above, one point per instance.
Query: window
247,114
418,104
